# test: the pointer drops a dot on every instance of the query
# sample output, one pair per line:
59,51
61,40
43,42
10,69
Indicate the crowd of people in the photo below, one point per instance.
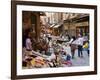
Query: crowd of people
52,51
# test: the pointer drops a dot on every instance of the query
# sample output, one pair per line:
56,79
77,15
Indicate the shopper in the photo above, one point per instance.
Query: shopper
67,50
80,44
86,47
88,51
73,46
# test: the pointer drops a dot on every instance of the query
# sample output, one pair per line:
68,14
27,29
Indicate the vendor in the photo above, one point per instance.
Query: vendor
28,44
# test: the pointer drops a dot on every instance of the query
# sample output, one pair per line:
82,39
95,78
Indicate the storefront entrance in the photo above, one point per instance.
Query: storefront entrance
84,30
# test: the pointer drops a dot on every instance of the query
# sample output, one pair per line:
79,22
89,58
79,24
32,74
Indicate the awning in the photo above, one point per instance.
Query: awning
82,24
58,25
52,25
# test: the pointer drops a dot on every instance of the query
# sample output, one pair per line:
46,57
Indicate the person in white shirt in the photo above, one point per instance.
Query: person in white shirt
28,44
67,49
80,44
68,54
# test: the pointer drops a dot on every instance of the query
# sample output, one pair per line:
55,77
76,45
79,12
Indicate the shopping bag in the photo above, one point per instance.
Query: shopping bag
85,45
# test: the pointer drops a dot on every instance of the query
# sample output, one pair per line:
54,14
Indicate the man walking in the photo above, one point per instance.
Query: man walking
80,44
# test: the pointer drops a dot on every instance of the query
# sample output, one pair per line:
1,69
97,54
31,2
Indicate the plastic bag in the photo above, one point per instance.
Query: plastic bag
86,45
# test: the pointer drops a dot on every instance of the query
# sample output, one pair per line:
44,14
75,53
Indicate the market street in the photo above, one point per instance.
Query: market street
55,39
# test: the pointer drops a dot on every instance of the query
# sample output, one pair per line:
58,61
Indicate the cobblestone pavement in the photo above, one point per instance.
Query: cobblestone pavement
80,61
